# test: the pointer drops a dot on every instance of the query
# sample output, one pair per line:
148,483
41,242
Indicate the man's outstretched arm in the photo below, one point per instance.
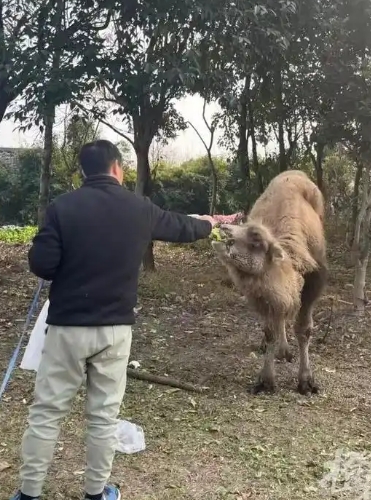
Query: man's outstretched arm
178,228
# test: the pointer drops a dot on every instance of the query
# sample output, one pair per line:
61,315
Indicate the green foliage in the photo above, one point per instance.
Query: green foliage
19,189
9,200
17,68
77,132
295,72
182,189
62,38
339,171
185,188
17,235
146,67
149,62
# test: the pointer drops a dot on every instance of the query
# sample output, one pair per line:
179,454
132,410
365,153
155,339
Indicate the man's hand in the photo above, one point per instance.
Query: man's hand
209,219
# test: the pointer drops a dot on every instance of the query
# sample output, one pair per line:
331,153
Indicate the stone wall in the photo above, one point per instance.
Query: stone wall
9,157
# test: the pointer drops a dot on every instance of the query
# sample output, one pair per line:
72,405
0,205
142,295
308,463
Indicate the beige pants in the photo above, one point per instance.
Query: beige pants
71,353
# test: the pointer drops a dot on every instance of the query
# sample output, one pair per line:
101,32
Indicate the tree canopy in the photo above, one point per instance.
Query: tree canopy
292,78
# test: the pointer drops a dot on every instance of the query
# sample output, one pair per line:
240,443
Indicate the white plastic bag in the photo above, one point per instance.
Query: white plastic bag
32,355
130,437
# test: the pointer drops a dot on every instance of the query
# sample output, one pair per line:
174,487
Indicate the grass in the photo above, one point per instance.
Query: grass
224,443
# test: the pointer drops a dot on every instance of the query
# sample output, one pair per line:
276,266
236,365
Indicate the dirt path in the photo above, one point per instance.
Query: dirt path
224,443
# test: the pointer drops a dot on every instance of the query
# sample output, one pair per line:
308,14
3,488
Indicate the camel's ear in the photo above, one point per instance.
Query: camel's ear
276,252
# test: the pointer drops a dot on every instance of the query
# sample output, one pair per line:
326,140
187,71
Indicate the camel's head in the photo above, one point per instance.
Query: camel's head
251,248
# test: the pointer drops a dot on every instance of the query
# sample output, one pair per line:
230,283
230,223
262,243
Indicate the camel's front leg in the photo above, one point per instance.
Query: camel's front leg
267,379
283,350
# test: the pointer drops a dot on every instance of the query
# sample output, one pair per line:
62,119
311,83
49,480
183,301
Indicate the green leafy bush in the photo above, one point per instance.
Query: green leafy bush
185,188
17,234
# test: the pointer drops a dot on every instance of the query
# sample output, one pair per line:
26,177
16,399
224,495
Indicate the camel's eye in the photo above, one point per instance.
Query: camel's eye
255,246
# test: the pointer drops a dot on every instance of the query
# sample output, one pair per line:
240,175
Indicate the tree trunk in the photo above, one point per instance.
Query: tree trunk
243,145
143,184
255,159
4,103
149,259
214,187
280,120
282,151
360,299
361,245
49,114
317,161
143,188
355,202
45,175
242,152
319,167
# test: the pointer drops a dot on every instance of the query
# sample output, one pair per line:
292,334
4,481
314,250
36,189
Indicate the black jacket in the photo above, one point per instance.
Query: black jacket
91,247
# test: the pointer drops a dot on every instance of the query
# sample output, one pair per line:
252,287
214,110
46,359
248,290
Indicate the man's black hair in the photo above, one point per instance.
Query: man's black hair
97,157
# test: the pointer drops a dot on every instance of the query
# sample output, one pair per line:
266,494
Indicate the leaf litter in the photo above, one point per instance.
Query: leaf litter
224,443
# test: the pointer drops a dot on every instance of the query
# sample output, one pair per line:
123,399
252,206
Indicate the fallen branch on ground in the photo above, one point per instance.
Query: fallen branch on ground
156,379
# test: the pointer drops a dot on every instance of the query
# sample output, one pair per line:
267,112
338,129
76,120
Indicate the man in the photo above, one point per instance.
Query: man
90,248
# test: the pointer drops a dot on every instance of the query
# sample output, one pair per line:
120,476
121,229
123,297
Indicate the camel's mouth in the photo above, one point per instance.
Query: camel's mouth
219,247
227,232
218,235
223,233
222,246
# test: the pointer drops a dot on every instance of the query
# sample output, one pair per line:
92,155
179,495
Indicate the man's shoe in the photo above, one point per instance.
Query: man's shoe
17,496
111,493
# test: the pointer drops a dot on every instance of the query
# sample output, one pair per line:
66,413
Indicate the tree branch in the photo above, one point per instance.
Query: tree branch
214,174
199,135
204,117
119,99
162,380
119,132
101,120
211,128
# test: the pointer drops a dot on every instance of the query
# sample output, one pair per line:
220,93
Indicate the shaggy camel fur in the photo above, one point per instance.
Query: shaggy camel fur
277,259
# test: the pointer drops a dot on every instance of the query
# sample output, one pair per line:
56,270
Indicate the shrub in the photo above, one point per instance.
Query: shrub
17,234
